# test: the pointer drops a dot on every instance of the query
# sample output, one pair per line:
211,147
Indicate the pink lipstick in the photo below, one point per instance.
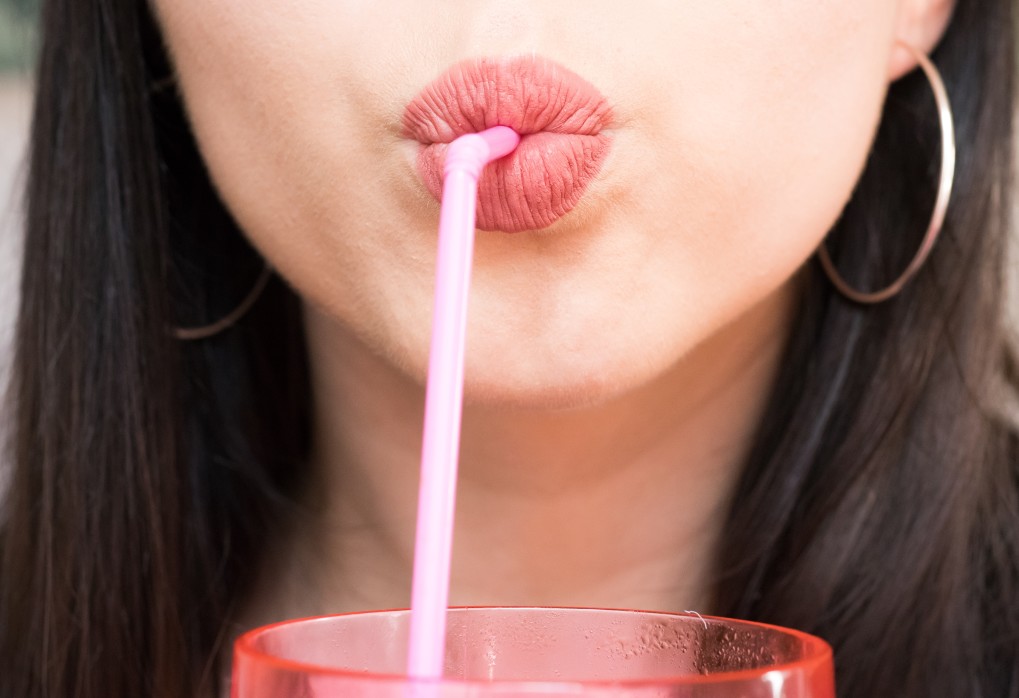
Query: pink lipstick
560,116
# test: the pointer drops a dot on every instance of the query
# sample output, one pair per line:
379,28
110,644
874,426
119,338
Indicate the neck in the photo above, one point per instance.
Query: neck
616,504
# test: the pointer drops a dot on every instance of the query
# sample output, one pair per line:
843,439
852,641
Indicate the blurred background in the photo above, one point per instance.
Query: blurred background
17,33
17,56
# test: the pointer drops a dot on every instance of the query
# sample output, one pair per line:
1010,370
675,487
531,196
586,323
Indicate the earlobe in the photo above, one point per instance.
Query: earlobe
921,24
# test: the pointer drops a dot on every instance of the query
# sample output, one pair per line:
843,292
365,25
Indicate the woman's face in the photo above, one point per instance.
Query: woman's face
737,131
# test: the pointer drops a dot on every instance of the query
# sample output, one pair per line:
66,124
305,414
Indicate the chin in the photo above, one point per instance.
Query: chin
555,385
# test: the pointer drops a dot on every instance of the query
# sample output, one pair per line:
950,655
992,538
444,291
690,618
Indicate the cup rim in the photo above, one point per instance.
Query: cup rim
817,653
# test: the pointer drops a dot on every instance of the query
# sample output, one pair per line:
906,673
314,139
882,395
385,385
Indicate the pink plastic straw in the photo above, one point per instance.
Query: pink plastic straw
465,158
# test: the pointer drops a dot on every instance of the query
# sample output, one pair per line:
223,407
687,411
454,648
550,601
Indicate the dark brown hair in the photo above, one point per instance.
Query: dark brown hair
879,507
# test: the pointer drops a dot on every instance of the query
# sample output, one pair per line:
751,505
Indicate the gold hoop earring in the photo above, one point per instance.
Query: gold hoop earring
945,182
206,331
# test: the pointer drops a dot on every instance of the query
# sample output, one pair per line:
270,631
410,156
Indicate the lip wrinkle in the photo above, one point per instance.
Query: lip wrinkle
560,116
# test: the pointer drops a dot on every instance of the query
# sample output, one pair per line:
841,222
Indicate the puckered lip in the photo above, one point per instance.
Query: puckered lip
530,94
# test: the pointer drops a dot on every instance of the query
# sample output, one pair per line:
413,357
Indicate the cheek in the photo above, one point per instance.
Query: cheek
766,124
292,105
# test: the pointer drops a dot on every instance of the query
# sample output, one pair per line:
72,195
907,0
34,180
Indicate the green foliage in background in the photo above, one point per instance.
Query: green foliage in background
17,34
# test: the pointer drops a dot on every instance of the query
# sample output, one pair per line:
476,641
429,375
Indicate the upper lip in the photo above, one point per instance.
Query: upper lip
527,93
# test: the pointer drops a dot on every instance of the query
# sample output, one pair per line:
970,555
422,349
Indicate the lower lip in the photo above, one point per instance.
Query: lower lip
532,187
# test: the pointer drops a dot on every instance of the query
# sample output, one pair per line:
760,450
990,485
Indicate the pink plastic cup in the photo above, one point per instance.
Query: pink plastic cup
501,652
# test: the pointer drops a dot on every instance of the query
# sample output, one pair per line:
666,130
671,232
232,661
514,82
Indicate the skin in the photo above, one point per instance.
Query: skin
619,361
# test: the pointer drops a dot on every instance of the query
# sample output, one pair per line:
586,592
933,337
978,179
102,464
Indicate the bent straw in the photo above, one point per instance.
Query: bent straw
465,158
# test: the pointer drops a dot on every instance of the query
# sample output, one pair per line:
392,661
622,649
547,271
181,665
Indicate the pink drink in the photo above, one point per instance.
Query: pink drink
535,652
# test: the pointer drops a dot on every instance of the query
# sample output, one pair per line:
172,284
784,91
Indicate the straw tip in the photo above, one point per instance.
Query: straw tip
501,141
472,151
